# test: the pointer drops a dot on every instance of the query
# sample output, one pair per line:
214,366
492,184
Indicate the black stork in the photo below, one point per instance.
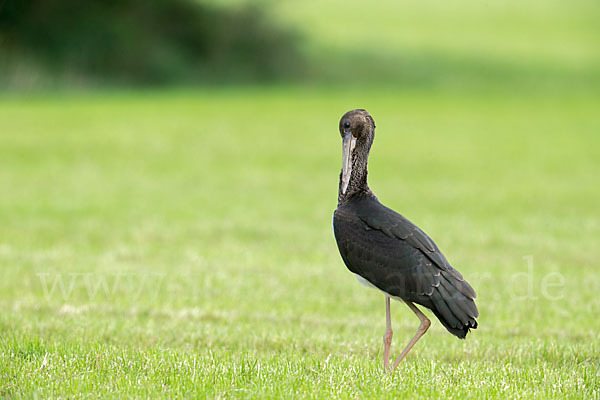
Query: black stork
388,252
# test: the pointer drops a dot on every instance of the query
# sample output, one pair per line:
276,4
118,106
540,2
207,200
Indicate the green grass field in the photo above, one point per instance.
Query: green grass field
178,243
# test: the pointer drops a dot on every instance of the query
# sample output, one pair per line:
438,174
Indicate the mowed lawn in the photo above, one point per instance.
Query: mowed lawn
179,244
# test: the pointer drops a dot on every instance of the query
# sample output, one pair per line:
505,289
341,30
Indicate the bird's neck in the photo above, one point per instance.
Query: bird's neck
358,180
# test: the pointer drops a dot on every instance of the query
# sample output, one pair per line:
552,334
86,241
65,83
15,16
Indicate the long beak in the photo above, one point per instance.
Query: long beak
348,145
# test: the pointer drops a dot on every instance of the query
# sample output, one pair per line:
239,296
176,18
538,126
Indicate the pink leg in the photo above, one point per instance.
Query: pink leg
425,323
387,336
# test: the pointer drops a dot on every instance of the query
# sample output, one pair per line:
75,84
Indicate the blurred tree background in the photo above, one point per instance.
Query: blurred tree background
142,42
422,44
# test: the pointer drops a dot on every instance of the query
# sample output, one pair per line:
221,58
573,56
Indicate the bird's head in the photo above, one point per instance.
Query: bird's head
357,128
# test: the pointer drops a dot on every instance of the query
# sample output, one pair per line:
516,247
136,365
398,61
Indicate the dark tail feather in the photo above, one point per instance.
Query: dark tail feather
461,332
455,310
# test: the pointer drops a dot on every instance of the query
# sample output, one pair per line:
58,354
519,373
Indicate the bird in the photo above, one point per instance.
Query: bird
388,252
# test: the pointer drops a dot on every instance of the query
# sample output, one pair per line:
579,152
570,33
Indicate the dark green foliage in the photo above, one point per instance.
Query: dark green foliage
146,41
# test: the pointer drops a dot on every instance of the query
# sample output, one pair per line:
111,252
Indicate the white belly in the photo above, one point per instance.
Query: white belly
368,284
365,282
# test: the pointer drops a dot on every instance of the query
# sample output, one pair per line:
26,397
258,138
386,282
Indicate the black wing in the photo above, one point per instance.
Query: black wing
397,257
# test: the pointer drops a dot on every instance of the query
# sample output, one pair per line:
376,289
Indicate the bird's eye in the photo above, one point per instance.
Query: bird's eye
346,124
